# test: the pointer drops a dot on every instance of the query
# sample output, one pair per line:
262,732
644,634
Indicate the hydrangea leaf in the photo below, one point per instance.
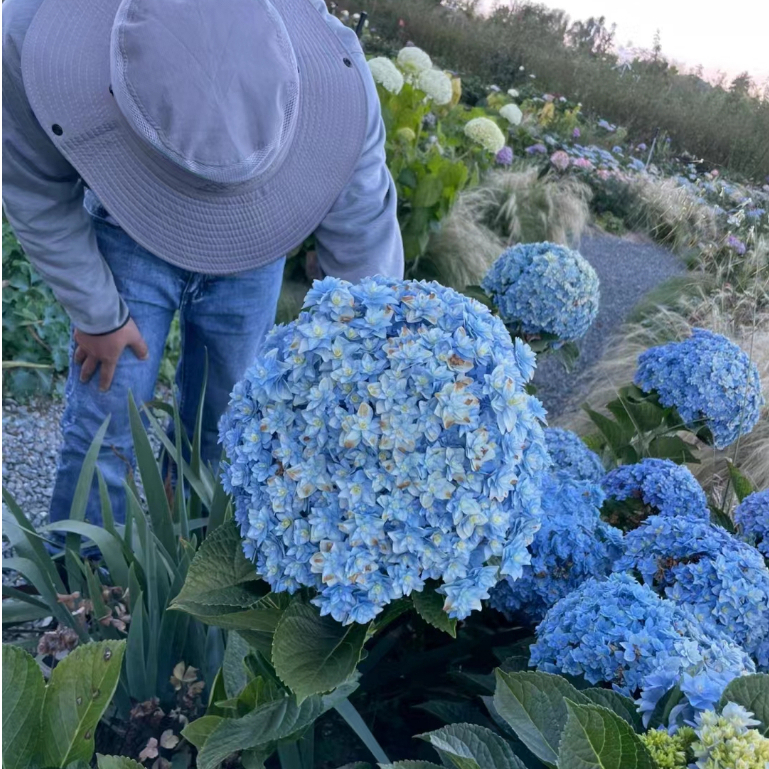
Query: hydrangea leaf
742,485
78,693
117,762
596,738
671,447
220,576
234,671
272,721
616,435
198,731
314,654
429,606
752,692
469,746
534,704
622,706
23,693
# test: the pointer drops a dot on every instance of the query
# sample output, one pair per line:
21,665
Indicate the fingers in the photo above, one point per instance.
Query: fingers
106,373
89,366
80,355
139,348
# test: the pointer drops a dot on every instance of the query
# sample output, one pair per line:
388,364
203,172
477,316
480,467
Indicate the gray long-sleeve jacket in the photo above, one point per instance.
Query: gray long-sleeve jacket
43,197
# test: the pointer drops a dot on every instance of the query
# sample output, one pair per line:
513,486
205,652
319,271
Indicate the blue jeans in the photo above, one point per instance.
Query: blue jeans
228,316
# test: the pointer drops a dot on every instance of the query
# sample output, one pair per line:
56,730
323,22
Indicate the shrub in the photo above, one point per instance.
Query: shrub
393,379
572,545
721,580
620,632
653,486
709,380
752,518
544,288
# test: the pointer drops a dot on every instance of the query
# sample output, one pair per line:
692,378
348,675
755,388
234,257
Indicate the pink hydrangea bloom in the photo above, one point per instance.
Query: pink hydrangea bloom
560,160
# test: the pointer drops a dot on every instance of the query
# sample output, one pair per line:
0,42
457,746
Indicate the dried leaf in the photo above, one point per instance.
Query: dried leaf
168,739
150,750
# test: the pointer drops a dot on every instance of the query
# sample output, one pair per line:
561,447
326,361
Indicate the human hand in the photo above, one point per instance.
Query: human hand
105,351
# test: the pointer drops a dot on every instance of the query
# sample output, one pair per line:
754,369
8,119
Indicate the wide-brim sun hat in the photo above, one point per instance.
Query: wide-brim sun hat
217,133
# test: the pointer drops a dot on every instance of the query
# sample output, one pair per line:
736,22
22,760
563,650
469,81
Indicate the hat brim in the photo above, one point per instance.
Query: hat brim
187,221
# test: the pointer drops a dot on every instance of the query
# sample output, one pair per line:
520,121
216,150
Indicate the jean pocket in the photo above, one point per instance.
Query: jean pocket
95,208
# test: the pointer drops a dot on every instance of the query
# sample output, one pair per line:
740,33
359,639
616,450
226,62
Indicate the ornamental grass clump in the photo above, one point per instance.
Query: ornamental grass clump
651,487
544,287
620,632
382,439
572,545
709,380
571,457
720,579
752,519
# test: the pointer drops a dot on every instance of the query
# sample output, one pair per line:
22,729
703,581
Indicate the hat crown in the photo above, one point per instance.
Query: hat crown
213,85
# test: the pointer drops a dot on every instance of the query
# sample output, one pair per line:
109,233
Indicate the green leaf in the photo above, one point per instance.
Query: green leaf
273,721
197,732
616,435
234,671
469,746
752,692
117,762
428,192
220,577
80,689
314,654
534,704
624,707
661,714
347,710
154,489
671,447
742,485
429,606
23,694
477,293
398,765
646,416
596,738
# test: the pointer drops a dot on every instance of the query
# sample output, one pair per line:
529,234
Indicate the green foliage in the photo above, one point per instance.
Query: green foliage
429,606
144,564
66,711
594,736
725,127
468,746
752,692
36,330
639,428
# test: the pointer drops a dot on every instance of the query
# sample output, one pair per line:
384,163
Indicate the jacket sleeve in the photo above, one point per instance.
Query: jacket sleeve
43,198
360,235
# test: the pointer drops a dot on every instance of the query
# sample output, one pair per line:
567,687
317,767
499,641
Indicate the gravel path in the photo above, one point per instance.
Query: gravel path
628,270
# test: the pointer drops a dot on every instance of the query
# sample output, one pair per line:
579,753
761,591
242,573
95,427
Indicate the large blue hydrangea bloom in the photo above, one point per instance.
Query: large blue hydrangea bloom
722,580
752,517
382,439
621,632
544,287
709,380
571,456
572,545
663,486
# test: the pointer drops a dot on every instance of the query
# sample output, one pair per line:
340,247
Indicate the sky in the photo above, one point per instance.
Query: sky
729,36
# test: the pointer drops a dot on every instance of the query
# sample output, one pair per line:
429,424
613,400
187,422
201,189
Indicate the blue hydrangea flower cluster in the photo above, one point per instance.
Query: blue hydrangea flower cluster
572,545
571,456
382,439
621,632
752,517
721,580
544,287
708,379
662,485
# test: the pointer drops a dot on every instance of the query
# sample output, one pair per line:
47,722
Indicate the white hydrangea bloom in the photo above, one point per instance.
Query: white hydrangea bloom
386,74
436,84
512,113
413,59
486,133
512,93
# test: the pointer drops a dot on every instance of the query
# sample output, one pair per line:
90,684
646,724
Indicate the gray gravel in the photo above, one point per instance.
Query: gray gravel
628,270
